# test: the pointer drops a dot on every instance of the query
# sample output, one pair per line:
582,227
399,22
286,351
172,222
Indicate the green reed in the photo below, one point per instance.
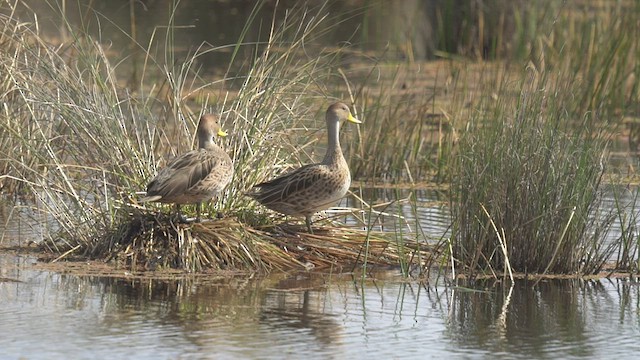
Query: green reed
525,179
528,171
626,248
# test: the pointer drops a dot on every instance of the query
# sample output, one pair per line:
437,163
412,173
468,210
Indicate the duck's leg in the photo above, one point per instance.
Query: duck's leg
181,218
198,209
219,213
307,219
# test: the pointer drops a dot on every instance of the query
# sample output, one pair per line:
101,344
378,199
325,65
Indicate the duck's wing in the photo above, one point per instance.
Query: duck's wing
185,172
285,186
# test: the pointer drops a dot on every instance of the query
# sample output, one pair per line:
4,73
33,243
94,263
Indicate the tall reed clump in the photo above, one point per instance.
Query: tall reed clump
527,177
69,141
527,184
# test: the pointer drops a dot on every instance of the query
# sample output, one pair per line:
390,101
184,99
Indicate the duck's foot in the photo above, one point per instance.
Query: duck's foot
182,219
307,220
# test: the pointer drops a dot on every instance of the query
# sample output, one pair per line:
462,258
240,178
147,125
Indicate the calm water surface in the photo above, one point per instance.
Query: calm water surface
46,315
49,315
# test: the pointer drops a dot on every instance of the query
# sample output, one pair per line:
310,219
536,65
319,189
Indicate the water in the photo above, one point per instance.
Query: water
76,311
380,26
52,315
68,311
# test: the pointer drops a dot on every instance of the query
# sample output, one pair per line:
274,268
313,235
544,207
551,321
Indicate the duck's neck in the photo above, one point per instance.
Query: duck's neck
205,141
334,152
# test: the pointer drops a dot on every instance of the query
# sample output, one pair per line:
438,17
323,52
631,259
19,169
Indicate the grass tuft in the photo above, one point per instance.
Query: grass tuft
527,187
152,241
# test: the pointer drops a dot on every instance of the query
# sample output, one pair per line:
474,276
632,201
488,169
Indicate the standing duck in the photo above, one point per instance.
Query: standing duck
197,175
314,187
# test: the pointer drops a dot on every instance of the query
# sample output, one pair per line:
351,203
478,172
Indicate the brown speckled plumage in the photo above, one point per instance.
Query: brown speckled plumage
197,175
314,187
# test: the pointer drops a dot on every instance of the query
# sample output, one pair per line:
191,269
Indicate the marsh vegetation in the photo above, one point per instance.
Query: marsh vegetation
513,119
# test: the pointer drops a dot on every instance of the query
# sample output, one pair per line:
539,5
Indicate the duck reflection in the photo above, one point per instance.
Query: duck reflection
297,304
214,312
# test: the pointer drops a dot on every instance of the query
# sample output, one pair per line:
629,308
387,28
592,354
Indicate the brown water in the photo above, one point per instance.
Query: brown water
373,26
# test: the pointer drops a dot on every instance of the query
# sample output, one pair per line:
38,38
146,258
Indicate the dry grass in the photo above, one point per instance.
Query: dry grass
153,241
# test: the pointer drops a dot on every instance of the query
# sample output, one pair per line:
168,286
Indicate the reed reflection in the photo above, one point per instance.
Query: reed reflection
530,318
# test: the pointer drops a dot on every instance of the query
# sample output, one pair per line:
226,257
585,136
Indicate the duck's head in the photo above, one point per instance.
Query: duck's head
208,128
209,125
340,112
